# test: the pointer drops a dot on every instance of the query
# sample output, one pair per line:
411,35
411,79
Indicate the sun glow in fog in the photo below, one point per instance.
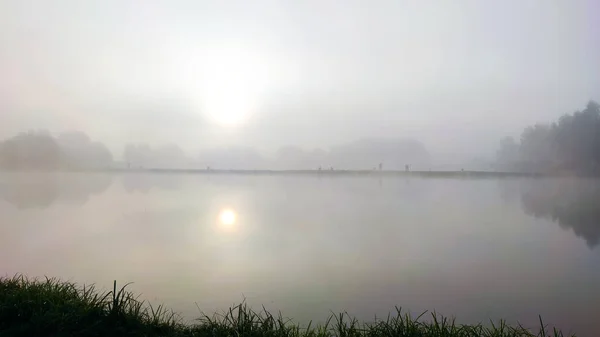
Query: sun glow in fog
227,220
232,83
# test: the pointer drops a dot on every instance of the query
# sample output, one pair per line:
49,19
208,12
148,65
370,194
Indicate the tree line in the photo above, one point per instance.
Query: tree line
569,145
42,150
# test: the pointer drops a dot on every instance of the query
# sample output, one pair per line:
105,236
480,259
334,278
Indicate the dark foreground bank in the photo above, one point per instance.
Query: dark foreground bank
51,307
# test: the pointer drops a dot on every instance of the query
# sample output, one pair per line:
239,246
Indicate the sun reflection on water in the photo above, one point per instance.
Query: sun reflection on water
227,220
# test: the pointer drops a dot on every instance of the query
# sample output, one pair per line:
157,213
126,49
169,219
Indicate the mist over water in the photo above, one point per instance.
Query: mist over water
472,248
123,122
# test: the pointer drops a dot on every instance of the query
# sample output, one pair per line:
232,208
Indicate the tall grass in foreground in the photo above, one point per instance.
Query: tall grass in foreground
51,307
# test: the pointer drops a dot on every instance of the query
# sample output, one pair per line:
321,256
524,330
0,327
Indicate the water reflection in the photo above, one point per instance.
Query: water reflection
42,190
314,244
144,183
228,220
572,203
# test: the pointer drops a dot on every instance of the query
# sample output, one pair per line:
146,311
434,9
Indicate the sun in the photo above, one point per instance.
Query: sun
229,107
233,80
227,220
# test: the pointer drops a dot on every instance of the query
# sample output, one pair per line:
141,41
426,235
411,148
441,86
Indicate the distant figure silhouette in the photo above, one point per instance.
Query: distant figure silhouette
319,168
208,168
406,168
331,168
380,166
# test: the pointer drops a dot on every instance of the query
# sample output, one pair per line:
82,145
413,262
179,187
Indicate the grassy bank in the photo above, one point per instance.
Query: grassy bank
51,307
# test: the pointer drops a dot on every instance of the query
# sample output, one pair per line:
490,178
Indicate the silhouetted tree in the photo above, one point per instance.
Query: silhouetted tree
137,154
79,151
40,150
234,158
30,150
538,150
572,144
168,156
393,152
507,155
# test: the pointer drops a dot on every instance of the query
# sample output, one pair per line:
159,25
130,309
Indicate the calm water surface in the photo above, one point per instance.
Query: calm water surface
471,248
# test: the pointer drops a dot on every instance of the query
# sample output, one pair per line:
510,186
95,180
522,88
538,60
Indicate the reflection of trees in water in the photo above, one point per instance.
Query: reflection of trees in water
572,203
159,227
145,182
510,189
31,190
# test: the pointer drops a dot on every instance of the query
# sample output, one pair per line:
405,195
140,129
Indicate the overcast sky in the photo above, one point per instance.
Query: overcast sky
456,75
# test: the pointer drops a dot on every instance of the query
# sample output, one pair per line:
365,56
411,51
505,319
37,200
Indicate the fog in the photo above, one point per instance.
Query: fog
253,80
479,249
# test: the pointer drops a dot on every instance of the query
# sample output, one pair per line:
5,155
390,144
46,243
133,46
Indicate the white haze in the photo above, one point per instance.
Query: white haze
454,75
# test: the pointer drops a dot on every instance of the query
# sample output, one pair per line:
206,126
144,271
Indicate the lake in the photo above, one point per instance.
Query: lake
308,245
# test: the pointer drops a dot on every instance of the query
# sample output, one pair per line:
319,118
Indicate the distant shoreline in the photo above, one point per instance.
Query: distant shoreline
329,173
374,173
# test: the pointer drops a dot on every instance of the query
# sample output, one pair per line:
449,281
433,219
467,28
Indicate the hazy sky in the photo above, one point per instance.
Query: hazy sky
455,74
